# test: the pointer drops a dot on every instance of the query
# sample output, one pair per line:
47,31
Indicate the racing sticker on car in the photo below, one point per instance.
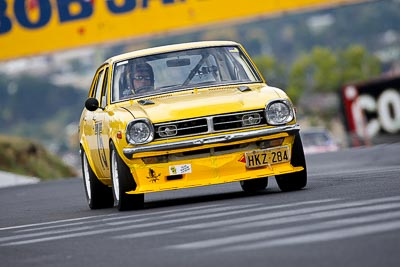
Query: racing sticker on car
153,176
180,169
101,150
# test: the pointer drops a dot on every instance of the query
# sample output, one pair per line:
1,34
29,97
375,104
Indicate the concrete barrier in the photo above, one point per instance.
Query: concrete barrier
10,179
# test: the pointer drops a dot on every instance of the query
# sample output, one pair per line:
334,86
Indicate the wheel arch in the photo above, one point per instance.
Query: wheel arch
117,146
83,148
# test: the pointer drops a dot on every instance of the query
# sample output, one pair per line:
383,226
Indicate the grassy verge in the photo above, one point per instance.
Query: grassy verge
26,157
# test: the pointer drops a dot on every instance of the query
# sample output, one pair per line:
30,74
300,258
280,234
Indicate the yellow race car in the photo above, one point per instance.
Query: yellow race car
182,116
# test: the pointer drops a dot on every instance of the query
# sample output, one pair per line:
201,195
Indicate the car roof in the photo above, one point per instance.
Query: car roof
170,48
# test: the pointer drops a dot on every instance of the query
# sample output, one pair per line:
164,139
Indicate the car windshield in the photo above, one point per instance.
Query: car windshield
181,70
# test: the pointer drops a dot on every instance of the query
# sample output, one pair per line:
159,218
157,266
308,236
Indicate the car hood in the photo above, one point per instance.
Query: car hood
203,102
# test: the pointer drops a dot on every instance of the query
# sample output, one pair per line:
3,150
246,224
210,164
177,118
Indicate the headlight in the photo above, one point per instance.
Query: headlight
139,131
279,112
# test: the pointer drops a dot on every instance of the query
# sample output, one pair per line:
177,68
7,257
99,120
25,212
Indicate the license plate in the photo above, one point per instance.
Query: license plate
258,158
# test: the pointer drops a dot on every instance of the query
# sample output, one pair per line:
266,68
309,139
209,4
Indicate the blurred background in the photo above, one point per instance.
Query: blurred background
324,58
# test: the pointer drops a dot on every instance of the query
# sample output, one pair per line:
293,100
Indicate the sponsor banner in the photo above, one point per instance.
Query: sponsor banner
372,110
31,27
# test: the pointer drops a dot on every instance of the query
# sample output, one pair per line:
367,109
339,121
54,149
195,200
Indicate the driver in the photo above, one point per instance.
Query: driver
142,78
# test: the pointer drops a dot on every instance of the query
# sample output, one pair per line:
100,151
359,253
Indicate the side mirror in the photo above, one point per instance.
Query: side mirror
91,104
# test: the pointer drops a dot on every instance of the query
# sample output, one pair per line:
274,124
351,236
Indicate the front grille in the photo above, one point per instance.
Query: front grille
211,124
235,121
183,128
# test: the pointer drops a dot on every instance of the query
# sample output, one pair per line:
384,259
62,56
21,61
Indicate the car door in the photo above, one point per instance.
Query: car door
101,124
88,127
92,123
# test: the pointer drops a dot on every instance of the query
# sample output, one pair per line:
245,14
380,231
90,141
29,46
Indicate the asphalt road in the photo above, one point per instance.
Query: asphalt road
349,215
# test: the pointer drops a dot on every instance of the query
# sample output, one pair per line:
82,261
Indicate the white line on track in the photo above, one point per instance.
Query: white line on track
321,236
174,221
53,222
243,222
278,233
107,217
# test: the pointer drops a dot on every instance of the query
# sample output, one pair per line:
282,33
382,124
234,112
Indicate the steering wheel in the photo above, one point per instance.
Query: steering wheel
144,89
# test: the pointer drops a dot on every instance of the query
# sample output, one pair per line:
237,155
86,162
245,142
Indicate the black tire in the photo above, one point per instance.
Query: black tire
98,195
296,180
254,185
123,181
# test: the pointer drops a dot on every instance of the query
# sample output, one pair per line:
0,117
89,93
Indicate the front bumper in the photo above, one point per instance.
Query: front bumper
223,138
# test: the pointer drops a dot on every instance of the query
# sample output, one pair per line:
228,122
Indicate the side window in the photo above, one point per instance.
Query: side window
105,89
97,92
98,86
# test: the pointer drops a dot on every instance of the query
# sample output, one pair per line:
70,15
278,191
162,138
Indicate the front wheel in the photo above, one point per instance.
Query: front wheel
98,195
123,182
254,185
296,180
